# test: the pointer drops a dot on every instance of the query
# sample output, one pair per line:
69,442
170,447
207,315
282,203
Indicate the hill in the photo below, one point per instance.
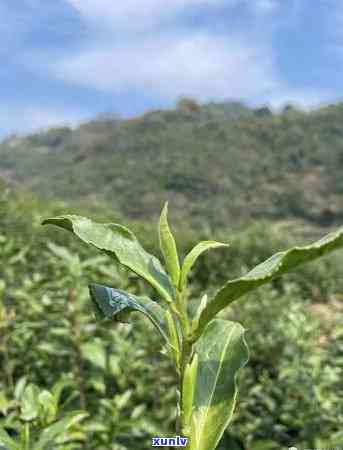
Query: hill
222,163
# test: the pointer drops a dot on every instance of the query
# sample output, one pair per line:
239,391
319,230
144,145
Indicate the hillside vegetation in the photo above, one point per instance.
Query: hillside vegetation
220,163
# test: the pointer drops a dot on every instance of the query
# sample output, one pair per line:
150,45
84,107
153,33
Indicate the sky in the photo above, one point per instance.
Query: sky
67,61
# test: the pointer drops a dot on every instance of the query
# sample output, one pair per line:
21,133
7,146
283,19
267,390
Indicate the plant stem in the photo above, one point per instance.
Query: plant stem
186,352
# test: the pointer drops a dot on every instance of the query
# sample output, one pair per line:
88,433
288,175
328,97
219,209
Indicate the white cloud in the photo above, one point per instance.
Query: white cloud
199,64
167,63
152,55
131,14
30,118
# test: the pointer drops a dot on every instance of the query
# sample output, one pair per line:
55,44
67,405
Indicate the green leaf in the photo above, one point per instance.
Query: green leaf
57,389
173,337
168,247
265,272
222,352
30,403
115,303
7,442
61,252
193,255
188,387
95,353
51,433
20,387
5,404
120,243
48,406
201,307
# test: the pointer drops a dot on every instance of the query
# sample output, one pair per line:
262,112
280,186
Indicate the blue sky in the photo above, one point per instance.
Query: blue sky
65,61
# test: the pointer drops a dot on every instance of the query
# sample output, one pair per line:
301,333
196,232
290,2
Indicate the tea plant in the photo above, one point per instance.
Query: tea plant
35,418
291,390
38,340
208,352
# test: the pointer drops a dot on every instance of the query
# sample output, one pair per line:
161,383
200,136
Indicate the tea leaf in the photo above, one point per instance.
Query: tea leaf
6,442
30,403
193,255
188,387
201,307
173,336
54,431
118,304
222,352
168,247
265,272
120,243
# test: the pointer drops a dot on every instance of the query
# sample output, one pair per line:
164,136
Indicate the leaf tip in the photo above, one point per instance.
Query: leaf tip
164,213
45,221
60,221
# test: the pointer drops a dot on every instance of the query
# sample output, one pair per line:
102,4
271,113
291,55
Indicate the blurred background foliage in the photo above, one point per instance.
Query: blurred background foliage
217,164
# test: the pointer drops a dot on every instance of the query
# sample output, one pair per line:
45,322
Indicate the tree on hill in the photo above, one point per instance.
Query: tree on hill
188,104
